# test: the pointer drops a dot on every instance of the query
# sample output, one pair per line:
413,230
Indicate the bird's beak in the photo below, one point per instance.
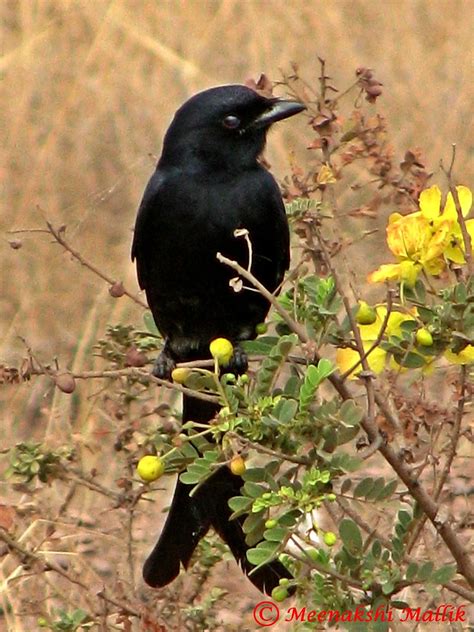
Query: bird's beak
278,110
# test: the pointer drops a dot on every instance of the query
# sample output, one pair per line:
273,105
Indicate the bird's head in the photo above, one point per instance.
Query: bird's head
223,127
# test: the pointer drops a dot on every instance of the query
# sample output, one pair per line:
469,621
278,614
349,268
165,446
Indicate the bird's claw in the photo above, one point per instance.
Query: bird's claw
164,365
238,363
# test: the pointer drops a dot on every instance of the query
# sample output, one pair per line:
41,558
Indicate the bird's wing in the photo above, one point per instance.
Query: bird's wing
271,233
149,208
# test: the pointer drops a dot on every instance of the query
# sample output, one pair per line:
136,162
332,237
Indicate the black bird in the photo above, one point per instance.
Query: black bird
207,184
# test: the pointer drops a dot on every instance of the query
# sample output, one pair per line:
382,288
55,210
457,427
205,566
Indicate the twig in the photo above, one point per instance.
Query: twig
58,234
129,372
260,448
271,298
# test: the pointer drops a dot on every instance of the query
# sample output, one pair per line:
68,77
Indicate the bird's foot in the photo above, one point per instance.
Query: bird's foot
164,365
238,363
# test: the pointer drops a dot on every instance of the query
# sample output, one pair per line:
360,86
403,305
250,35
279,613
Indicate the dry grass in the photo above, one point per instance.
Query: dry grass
88,89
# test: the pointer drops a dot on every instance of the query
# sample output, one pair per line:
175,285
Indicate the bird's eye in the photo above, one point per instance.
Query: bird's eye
231,122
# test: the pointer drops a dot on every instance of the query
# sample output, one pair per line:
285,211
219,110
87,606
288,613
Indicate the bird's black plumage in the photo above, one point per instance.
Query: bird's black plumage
207,184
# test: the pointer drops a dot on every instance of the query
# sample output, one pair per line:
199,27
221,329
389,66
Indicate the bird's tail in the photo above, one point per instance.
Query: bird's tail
190,518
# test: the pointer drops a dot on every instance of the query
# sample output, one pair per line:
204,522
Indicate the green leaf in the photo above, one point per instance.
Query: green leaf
351,414
189,478
240,504
262,554
388,588
411,572
290,518
345,462
404,518
261,346
285,410
255,474
253,490
378,487
425,571
351,536
272,364
325,369
376,549
411,360
409,326
346,485
276,534
444,574
364,487
388,490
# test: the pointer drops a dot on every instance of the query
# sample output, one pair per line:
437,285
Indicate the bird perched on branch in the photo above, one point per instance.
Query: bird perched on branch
208,184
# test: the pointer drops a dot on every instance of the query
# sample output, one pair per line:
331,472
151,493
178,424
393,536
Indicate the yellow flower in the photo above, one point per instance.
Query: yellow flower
415,244
377,359
466,356
424,240
430,208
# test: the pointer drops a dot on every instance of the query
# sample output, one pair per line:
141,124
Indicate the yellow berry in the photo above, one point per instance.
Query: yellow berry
221,350
366,314
330,538
180,375
237,466
270,523
150,468
424,337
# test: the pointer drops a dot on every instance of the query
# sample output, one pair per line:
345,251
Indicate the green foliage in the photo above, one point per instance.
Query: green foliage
31,460
68,621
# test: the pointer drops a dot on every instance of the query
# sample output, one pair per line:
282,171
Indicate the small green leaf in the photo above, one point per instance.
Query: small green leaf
444,574
411,572
253,490
240,503
364,487
388,490
404,518
276,534
351,536
425,571
346,485
351,414
285,410
378,487
411,360
262,554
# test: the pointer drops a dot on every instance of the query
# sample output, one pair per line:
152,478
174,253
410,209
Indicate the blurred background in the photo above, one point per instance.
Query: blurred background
87,91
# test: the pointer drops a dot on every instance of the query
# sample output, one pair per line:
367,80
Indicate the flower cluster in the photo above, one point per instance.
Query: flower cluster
427,239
